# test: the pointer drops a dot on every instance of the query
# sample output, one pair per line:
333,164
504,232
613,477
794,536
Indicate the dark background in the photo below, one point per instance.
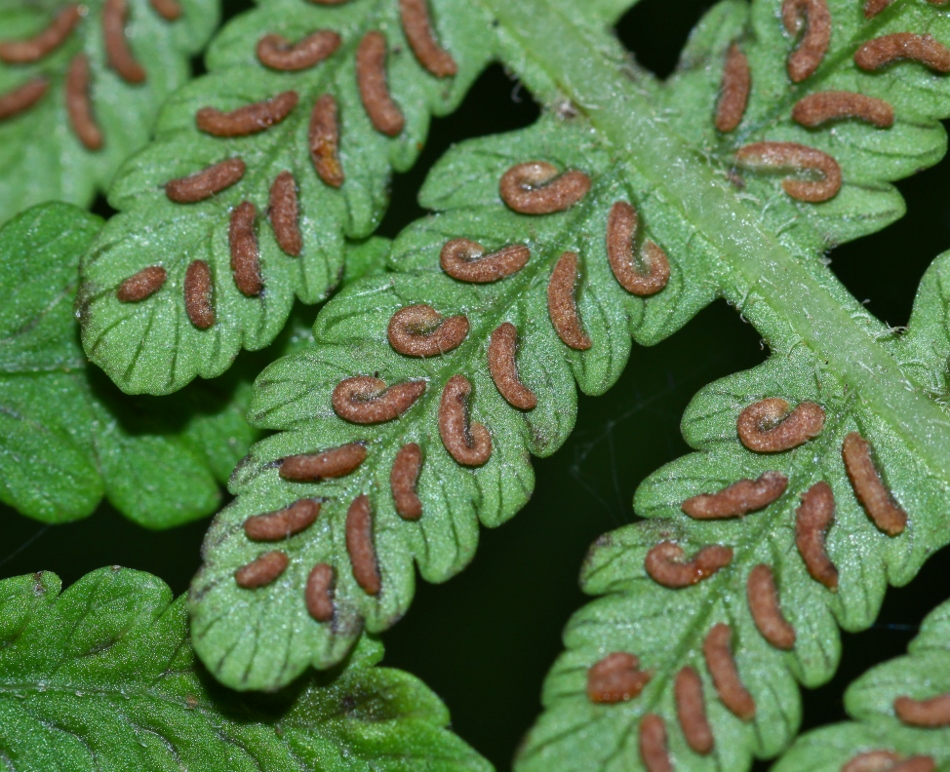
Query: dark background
485,640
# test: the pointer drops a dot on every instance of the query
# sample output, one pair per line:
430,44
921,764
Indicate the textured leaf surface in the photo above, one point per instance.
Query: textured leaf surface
41,156
756,246
152,346
101,677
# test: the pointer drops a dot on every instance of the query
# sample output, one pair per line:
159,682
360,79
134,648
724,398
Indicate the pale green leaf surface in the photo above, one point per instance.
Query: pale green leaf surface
101,676
41,158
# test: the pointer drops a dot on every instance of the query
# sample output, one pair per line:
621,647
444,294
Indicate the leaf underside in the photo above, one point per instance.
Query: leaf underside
41,156
102,677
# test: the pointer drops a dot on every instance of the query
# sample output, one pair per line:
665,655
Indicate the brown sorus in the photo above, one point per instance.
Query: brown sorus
616,678
23,97
403,479
653,750
278,53
335,462
250,119
791,155
261,571
371,80
930,713
885,50
806,58
467,442
207,182
199,294
766,426
622,226
79,105
817,109
717,649
169,10
141,285
284,214
466,260
666,565
502,348
737,499
421,331
888,761
869,488
325,141
35,48
118,53
364,399
534,187
762,595
812,521
691,710
359,545
284,523
318,594
873,7
418,29
562,304
734,91
245,254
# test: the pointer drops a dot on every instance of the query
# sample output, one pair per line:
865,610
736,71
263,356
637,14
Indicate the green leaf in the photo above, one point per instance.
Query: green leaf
41,155
101,677
870,700
153,346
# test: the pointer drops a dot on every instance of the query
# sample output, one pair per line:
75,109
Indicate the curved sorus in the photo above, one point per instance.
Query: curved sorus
502,348
806,58
324,137
360,547
199,294
262,571
666,565
812,521
653,750
318,594
465,260
888,761
364,399
873,7
421,331
204,184
737,499
245,254
691,711
118,53
930,713
734,91
885,50
247,120
762,595
284,212
284,523
141,285
278,53
78,104
616,678
869,488
717,650
327,464
35,48
816,109
534,187
169,10
371,80
766,426
22,97
418,30
403,479
791,155
622,226
562,304
468,443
